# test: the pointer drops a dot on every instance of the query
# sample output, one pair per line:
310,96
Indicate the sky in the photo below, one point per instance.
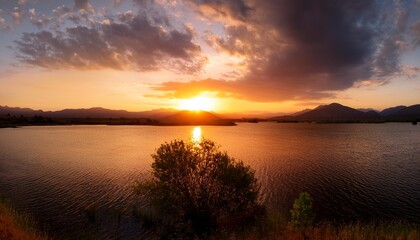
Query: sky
238,55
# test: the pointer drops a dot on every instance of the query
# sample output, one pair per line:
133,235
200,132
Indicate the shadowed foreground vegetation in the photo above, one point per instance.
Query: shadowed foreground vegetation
277,229
17,225
198,192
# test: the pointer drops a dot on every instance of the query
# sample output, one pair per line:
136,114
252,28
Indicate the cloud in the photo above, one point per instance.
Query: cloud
81,4
410,72
289,49
22,2
129,42
299,49
2,20
117,2
237,9
32,11
414,69
415,31
17,15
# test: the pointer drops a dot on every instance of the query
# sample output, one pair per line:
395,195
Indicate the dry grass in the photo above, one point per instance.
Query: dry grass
17,226
385,231
280,230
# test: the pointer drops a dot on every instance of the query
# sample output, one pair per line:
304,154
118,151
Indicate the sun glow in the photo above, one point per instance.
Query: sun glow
197,104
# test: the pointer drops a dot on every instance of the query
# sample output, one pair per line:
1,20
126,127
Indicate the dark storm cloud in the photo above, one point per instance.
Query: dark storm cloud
130,42
303,49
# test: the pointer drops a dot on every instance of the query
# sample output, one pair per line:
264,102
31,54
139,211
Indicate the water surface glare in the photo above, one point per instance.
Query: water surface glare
353,171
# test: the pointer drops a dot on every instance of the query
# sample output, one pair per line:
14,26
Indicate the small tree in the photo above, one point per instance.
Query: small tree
302,215
202,186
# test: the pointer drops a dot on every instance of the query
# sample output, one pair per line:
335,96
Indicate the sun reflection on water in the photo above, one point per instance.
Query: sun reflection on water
196,135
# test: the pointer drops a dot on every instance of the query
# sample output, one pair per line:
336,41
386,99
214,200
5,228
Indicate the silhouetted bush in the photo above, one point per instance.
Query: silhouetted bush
201,189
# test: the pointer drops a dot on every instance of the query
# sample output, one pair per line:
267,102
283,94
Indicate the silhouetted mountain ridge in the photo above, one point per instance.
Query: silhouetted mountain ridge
336,112
391,110
333,112
10,116
411,113
95,112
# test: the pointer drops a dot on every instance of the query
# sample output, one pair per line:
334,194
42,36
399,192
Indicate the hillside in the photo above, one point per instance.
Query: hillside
12,116
411,113
392,110
96,112
335,112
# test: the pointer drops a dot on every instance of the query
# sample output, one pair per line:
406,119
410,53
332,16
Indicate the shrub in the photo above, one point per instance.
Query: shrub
201,186
302,214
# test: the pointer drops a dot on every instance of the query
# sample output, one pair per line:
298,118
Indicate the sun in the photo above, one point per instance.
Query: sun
197,104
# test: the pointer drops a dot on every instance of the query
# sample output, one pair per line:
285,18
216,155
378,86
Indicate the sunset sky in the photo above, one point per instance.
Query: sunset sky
236,56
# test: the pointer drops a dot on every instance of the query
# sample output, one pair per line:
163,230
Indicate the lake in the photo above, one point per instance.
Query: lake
357,172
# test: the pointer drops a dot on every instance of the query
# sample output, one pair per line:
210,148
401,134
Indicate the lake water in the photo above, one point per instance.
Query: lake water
353,171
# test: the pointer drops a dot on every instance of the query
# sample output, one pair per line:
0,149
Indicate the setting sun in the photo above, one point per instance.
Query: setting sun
197,104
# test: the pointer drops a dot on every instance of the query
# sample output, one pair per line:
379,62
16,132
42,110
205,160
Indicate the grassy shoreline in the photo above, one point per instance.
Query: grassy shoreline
280,229
17,225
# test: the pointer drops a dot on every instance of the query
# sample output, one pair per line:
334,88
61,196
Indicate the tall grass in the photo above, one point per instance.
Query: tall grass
278,229
20,226
17,225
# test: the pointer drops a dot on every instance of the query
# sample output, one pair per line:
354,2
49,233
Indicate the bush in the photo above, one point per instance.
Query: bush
201,187
302,214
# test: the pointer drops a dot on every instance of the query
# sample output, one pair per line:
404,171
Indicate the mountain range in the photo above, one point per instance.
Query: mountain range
11,116
333,112
336,112
96,112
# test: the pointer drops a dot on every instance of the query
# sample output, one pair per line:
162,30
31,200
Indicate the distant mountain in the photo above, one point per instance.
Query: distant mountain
301,112
16,111
96,112
408,113
392,110
289,117
194,118
367,110
373,114
249,115
335,112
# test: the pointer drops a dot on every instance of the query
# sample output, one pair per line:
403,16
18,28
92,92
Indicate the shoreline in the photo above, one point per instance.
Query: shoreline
19,225
224,124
